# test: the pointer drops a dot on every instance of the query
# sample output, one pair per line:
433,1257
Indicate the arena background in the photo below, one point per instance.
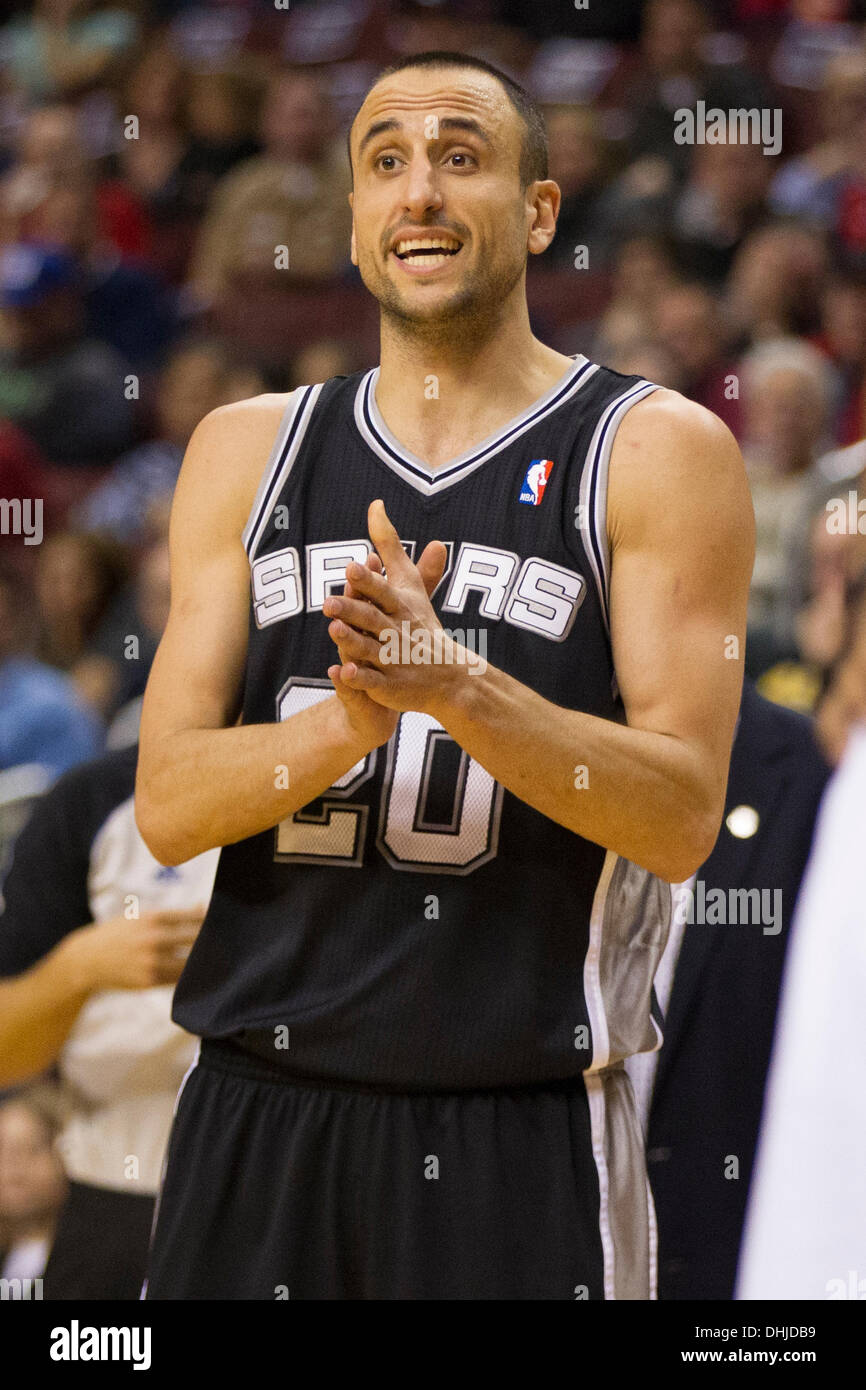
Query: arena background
174,232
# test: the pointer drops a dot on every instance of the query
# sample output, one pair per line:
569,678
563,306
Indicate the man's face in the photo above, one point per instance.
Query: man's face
295,121
441,225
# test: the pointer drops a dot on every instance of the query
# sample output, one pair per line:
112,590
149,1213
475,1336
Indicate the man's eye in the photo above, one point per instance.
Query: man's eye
461,159
387,162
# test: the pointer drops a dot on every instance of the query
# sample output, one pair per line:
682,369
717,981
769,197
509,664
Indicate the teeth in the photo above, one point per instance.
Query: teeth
430,260
428,244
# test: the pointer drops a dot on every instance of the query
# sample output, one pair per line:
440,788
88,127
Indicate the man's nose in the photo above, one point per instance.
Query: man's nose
421,190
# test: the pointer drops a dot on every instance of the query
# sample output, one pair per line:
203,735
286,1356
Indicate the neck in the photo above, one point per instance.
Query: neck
444,387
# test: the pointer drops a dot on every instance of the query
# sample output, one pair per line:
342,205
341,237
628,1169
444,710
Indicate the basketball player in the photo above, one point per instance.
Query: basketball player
445,883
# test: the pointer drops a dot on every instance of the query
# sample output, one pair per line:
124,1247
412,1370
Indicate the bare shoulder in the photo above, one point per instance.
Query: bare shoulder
226,457
674,459
671,427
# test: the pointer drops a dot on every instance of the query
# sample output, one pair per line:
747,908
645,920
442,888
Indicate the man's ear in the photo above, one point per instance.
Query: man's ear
353,245
546,199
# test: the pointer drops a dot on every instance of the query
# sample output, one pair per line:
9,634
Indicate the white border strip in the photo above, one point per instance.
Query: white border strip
600,1056
279,464
597,466
430,485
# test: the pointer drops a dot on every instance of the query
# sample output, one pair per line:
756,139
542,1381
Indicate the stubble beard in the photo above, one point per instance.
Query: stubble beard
468,316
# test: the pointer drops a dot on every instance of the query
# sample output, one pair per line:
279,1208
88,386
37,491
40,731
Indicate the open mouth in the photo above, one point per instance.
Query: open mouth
427,252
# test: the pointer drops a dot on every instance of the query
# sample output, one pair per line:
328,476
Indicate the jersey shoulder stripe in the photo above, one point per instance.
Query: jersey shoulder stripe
293,426
593,486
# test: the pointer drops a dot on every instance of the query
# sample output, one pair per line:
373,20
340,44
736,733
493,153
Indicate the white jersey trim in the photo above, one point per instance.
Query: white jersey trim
431,481
600,1056
290,435
593,488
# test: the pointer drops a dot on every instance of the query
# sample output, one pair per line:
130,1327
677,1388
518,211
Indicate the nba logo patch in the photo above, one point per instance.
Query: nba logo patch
535,481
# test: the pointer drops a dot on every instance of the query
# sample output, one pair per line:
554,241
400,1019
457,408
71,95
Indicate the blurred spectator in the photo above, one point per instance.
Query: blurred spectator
843,337
673,72
148,165
43,722
48,153
837,562
123,649
293,195
67,46
93,936
560,17
322,360
843,707
775,283
786,395
196,379
810,185
64,389
220,108
649,359
690,327
825,565
723,200
77,578
23,475
577,161
815,32
51,159
127,305
642,273
32,1182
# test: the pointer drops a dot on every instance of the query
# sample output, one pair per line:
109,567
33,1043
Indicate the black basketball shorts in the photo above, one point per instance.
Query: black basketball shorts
276,1189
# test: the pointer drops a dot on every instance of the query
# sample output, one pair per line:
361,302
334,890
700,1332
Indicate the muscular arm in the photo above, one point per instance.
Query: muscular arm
681,529
200,781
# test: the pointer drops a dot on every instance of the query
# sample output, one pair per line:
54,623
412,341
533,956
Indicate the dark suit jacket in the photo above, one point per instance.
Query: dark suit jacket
708,1094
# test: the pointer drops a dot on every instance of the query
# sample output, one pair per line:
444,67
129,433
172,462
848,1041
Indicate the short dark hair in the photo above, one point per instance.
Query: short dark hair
533,155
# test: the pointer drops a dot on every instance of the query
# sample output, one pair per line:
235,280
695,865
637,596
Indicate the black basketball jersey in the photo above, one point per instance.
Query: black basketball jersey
418,925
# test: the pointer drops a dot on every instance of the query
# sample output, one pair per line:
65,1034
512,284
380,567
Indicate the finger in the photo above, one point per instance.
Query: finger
373,563
384,537
431,565
365,617
373,587
177,936
364,678
169,916
353,645
174,949
343,691
170,968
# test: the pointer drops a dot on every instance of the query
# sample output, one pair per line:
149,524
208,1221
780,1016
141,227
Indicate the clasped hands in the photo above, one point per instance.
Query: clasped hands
379,622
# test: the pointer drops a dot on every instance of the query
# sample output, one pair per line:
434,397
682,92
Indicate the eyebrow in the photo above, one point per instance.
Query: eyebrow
463,123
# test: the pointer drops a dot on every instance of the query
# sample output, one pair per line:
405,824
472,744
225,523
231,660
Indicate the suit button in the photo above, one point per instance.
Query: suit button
659,1155
675,1266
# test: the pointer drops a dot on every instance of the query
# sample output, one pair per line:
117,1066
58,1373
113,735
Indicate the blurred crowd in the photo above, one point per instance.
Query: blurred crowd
156,154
